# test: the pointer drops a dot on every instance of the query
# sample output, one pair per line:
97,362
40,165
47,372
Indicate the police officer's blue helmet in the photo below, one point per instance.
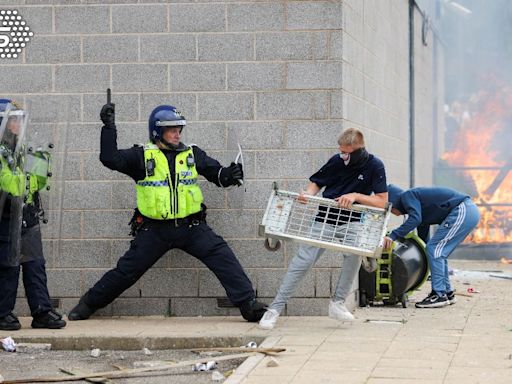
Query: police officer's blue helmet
4,103
164,116
394,194
3,107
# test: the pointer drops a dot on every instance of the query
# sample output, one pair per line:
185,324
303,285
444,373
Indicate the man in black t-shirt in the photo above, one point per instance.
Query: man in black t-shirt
352,176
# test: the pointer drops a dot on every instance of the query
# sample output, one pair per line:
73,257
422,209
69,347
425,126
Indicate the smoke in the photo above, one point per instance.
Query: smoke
479,44
475,149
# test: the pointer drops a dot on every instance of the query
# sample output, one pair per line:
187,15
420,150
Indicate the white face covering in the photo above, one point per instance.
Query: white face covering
345,157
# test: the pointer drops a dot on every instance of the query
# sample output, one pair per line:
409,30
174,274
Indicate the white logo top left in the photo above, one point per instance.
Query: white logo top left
14,34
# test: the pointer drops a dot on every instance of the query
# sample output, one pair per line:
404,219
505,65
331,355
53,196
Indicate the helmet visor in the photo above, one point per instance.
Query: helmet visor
171,123
12,128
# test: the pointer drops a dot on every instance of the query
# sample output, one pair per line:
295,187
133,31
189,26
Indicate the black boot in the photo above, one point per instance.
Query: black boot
51,319
80,312
9,322
252,310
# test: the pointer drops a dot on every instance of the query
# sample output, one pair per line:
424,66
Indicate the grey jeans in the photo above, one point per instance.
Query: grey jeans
306,257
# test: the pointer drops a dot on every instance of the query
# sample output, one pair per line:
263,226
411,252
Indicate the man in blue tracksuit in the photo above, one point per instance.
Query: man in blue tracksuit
456,216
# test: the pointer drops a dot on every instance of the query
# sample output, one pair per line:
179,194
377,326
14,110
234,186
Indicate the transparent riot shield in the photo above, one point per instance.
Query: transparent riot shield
12,181
45,168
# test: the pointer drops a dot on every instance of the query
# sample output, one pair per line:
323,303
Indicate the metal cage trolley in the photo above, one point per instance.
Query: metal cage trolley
318,221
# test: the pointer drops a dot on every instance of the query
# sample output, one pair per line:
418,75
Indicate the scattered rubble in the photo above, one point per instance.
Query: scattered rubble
8,344
217,376
273,362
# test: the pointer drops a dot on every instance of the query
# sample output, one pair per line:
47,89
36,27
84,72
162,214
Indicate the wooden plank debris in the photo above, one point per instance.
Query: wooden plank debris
132,372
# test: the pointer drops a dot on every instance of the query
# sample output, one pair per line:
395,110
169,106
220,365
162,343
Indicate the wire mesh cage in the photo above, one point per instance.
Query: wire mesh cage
359,229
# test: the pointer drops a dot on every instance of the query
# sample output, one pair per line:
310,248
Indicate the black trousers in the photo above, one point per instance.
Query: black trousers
153,241
34,281
34,275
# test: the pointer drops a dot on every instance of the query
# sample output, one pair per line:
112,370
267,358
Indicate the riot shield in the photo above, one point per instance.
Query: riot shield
45,168
12,180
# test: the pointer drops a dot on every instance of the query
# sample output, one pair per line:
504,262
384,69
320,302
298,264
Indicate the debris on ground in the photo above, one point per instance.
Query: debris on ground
128,372
8,344
386,321
96,352
266,351
146,351
463,294
273,362
508,277
90,380
217,376
208,366
504,260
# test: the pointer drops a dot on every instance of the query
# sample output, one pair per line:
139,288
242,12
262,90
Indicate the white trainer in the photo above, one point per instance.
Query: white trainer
269,319
338,311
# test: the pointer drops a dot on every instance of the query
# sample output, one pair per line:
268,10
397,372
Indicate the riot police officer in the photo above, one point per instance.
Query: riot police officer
170,211
20,189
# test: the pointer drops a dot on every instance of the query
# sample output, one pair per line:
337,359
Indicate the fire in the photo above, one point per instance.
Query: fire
482,147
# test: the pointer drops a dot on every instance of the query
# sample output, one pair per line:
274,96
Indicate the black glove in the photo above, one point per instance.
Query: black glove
231,175
108,115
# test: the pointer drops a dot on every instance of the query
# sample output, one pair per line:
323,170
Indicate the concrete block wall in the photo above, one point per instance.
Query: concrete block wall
282,78
425,62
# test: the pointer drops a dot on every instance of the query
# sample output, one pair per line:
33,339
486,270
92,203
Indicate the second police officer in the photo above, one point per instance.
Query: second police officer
170,211
21,248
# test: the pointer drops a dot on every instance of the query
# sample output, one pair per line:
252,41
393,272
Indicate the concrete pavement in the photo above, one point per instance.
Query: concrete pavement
469,342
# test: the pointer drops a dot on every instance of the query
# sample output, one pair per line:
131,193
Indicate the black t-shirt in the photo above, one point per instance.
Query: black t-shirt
339,179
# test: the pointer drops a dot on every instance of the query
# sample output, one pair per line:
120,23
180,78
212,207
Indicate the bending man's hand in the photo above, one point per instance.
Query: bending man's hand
388,242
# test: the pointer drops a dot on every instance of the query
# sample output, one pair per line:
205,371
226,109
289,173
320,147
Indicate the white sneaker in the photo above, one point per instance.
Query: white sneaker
338,311
269,319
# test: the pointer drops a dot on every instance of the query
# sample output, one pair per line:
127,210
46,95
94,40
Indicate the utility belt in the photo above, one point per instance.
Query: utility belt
139,221
194,219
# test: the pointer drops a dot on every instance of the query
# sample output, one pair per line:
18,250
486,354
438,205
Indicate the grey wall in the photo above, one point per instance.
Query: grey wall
283,78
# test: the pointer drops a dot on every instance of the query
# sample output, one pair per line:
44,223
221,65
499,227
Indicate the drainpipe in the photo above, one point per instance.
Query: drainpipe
411,94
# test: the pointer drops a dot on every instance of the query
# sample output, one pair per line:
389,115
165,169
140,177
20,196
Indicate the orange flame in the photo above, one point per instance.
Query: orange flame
483,142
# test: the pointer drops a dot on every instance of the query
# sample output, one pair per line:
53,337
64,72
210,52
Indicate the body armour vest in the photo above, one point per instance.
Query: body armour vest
159,197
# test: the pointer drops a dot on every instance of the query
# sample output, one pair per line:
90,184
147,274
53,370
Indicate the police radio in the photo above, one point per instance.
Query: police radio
190,160
150,167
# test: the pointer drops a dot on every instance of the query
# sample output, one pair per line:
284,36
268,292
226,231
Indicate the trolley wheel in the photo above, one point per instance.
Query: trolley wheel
404,299
272,245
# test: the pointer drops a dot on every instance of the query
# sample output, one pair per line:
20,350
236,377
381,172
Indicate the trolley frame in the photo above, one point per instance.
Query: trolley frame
359,229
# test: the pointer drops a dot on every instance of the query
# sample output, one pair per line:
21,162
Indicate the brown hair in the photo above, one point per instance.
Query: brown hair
351,136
